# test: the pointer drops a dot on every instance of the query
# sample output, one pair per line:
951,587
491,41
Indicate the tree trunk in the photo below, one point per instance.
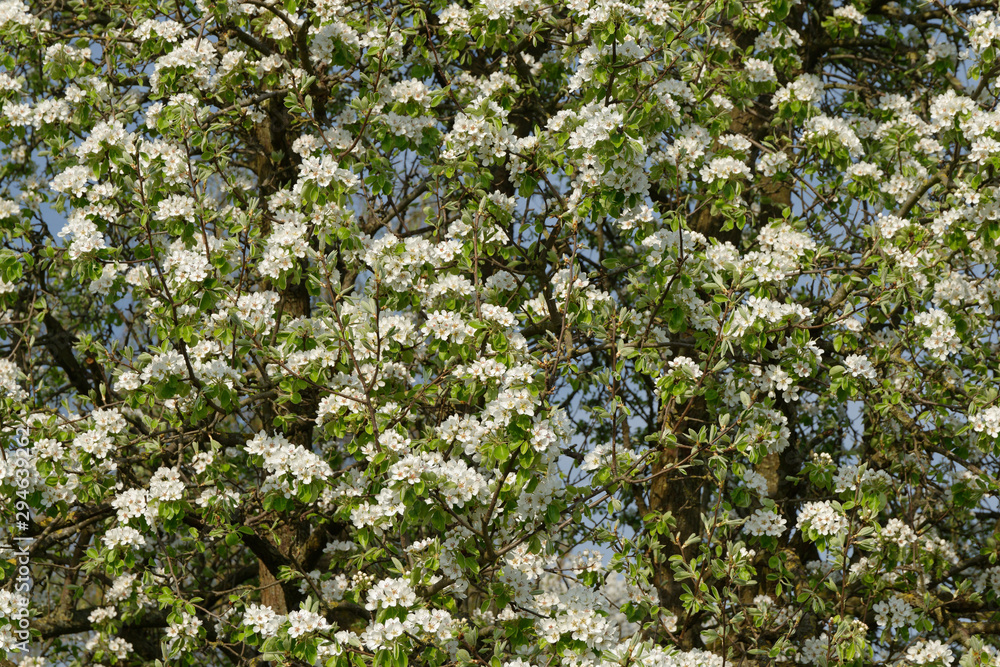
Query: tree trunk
679,481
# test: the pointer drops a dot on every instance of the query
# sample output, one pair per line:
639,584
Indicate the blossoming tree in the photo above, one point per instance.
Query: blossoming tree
501,333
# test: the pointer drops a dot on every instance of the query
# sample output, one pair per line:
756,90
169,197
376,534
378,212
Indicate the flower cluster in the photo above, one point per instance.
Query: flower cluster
289,465
860,366
894,613
763,522
823,518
